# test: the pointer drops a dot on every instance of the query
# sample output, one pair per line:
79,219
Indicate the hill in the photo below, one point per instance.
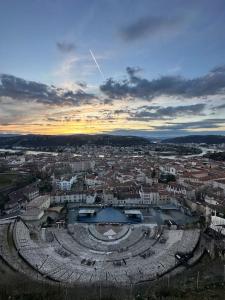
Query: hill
36,141
197,139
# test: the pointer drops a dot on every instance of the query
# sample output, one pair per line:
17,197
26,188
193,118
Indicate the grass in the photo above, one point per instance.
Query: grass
9,182
10,179
6,180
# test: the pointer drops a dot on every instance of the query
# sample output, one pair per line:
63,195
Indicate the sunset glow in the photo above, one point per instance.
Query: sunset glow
160,73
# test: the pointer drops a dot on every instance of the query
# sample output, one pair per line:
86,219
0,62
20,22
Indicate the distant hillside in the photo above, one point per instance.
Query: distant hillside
36,141
198,139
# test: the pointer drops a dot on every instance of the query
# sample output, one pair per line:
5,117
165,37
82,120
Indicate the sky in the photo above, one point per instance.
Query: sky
148,68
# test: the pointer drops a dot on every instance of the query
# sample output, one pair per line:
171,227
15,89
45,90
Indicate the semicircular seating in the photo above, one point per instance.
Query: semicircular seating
141,253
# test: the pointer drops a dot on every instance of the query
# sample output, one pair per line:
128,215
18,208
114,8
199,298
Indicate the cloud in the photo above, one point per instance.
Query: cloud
175,129
148,113
149,26
172,111
159,133
207,124
219,107
108,101
135,86
121,111
66,66
82,84
31,91
65,47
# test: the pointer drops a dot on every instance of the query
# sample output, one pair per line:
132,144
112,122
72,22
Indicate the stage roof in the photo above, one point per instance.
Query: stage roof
132,212
86,211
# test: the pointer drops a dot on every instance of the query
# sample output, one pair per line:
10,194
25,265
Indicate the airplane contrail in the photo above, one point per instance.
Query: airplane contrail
95,61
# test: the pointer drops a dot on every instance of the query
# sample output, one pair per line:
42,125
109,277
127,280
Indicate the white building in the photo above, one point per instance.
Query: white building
65,184
72,198
176,189
168,169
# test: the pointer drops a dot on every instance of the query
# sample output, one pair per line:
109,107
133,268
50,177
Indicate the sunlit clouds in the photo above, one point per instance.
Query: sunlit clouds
120,67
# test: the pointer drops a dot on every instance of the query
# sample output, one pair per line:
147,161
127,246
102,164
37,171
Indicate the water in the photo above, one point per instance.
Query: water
204,151
9,150
33,152
27,151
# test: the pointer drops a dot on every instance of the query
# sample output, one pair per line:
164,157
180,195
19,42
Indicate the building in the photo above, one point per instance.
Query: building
19,198
64,184
36,208
175,188
167,169
149,195
71,197
41,202
82,165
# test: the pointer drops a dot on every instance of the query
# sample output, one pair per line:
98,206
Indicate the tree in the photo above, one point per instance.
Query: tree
153,173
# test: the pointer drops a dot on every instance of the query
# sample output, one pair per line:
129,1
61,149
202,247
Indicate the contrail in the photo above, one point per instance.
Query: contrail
95,61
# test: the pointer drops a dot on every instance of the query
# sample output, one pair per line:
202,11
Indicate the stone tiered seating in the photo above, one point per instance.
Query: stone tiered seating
73,258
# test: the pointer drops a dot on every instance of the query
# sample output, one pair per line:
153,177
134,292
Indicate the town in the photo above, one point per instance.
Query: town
115,215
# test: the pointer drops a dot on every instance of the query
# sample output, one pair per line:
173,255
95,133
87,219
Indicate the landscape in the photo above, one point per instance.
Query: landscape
112,150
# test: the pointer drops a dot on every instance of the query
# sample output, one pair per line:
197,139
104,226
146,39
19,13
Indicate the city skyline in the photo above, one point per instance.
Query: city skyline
148,68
